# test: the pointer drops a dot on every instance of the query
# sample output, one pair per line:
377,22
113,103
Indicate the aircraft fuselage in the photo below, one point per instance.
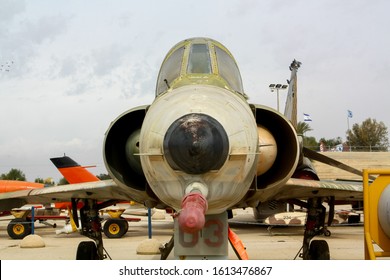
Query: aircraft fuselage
208,143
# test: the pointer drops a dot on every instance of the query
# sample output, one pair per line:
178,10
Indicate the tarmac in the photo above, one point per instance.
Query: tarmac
261,242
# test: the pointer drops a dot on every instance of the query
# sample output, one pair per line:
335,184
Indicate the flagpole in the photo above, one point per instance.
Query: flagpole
348,131
349,115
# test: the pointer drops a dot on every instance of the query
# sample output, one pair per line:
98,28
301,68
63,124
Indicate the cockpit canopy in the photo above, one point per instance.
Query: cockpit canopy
199,61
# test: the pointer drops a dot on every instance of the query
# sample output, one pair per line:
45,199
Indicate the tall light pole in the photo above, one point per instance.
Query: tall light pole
277,87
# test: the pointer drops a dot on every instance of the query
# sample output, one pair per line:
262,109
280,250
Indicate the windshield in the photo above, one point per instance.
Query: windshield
170,70
199,60
228,70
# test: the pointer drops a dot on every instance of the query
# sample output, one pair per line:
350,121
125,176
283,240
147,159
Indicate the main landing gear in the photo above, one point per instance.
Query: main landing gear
315,225
91,227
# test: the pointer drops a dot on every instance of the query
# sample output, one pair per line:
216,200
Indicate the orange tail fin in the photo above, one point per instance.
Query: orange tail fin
72,171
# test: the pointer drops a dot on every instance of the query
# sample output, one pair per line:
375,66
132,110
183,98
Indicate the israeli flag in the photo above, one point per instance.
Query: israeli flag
350,115
306,117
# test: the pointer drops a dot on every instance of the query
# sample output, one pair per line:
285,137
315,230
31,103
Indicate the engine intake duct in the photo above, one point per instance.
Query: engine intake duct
287,146
121,147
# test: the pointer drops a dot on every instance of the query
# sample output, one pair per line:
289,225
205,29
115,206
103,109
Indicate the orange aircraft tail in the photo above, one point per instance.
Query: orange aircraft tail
72,171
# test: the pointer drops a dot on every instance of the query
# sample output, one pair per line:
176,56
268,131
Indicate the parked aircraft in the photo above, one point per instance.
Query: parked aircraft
20,226
114,227
13,185
201,149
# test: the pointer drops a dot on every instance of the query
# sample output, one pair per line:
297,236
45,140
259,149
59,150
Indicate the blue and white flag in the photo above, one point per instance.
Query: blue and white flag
350,115
306,117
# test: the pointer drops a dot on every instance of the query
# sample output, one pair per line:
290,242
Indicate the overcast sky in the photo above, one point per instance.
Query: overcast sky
71,67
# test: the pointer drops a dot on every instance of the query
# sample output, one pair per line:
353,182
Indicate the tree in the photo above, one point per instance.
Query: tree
63,181
39,180
308,142
13,174
330,144
370,135
303,127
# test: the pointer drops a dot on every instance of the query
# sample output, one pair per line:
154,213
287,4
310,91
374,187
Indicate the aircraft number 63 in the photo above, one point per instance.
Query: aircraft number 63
213,235
212,240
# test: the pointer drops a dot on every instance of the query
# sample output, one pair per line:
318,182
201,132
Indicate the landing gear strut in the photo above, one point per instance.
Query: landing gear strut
91,227
315,225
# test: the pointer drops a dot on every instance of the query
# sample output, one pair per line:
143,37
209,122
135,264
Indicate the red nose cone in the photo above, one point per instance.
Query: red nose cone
192,215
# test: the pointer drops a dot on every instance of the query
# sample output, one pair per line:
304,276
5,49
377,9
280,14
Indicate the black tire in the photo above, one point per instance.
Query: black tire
19,228
87,251
115,228
319,250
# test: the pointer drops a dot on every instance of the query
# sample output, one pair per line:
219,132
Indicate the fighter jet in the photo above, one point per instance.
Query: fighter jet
202,149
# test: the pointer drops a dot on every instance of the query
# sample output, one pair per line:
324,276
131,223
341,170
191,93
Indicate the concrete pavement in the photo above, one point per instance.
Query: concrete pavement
279,243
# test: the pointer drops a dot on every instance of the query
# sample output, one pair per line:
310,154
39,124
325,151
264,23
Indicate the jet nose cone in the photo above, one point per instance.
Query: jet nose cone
195,144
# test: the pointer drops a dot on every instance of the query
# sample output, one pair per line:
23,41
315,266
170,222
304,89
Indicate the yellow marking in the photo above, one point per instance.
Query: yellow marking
373,232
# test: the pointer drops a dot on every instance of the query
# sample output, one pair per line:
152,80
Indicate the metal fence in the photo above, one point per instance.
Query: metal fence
346,148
